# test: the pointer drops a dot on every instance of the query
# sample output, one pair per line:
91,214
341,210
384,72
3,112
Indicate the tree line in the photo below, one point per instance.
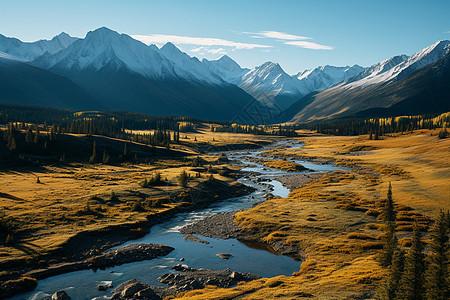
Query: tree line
415,274
281,130
379,126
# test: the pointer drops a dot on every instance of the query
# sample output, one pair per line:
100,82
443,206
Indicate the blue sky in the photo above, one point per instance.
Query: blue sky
297,34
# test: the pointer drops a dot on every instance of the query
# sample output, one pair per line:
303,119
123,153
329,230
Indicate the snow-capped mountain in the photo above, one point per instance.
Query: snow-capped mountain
29,51
118,72
106,48
383,85
126,74
399,66
272,86
189,68
227,69
325,76
268,81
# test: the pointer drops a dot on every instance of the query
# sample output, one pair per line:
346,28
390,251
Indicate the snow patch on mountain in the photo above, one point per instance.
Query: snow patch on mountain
227,69
187,67
29,51
325,76
400,66
104,47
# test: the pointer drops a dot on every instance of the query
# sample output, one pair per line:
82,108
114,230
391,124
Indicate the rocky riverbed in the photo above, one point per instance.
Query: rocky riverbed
296,181
114,257
219,226
186,280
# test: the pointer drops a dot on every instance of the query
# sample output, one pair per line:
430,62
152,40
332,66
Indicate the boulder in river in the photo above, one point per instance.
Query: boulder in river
133,289
224,255
198,278
60,295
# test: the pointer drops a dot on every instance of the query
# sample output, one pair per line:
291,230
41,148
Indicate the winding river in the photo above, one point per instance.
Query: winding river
82,284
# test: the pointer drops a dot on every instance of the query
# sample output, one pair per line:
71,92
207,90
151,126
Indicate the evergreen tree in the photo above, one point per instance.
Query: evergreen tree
36,136
412,281
390,288
29,136
183,178
125,150
437,275
388,213
94,153
389,238
106,157
11,143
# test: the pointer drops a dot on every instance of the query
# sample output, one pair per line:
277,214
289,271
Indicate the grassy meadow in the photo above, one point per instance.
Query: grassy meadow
334,219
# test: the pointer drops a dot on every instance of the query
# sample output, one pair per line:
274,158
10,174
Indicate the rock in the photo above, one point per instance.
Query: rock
182,259
224,255
199,278
130,290
102,287
148,294
180,267
60,295
235,275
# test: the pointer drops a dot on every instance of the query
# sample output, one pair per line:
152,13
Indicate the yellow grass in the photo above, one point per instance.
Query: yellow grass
289,166
333,218
49,213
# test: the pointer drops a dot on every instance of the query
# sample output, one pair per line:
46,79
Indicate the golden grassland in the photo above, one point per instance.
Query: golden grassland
285,165
49,205
333,219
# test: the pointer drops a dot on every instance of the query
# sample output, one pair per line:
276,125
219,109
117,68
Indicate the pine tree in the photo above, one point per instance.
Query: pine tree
125,150
106,157
390,288
29,136
11,143
412,281
376,135
36,136
183,178
94,153
437,277
389,238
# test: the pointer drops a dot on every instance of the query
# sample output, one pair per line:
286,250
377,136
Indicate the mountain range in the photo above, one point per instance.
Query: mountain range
111,71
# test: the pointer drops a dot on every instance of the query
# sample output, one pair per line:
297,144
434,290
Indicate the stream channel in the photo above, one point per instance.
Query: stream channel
245,258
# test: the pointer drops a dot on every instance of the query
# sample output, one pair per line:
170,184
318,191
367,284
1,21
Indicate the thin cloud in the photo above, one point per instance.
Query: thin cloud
290,39
282,35
161,39
309,45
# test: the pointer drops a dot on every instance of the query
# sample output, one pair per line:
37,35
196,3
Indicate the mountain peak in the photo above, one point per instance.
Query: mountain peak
271,67
170,49
101,32
226,59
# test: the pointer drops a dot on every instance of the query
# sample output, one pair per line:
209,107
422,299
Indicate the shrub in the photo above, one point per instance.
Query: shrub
137,206
183,178
154,180
113,197
360,236
372,212
374,226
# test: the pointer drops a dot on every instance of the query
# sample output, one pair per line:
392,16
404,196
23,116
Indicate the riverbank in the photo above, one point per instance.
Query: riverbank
127,254
89,243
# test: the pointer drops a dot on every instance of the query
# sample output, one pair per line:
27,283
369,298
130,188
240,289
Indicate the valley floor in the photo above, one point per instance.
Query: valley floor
61,212
331,219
